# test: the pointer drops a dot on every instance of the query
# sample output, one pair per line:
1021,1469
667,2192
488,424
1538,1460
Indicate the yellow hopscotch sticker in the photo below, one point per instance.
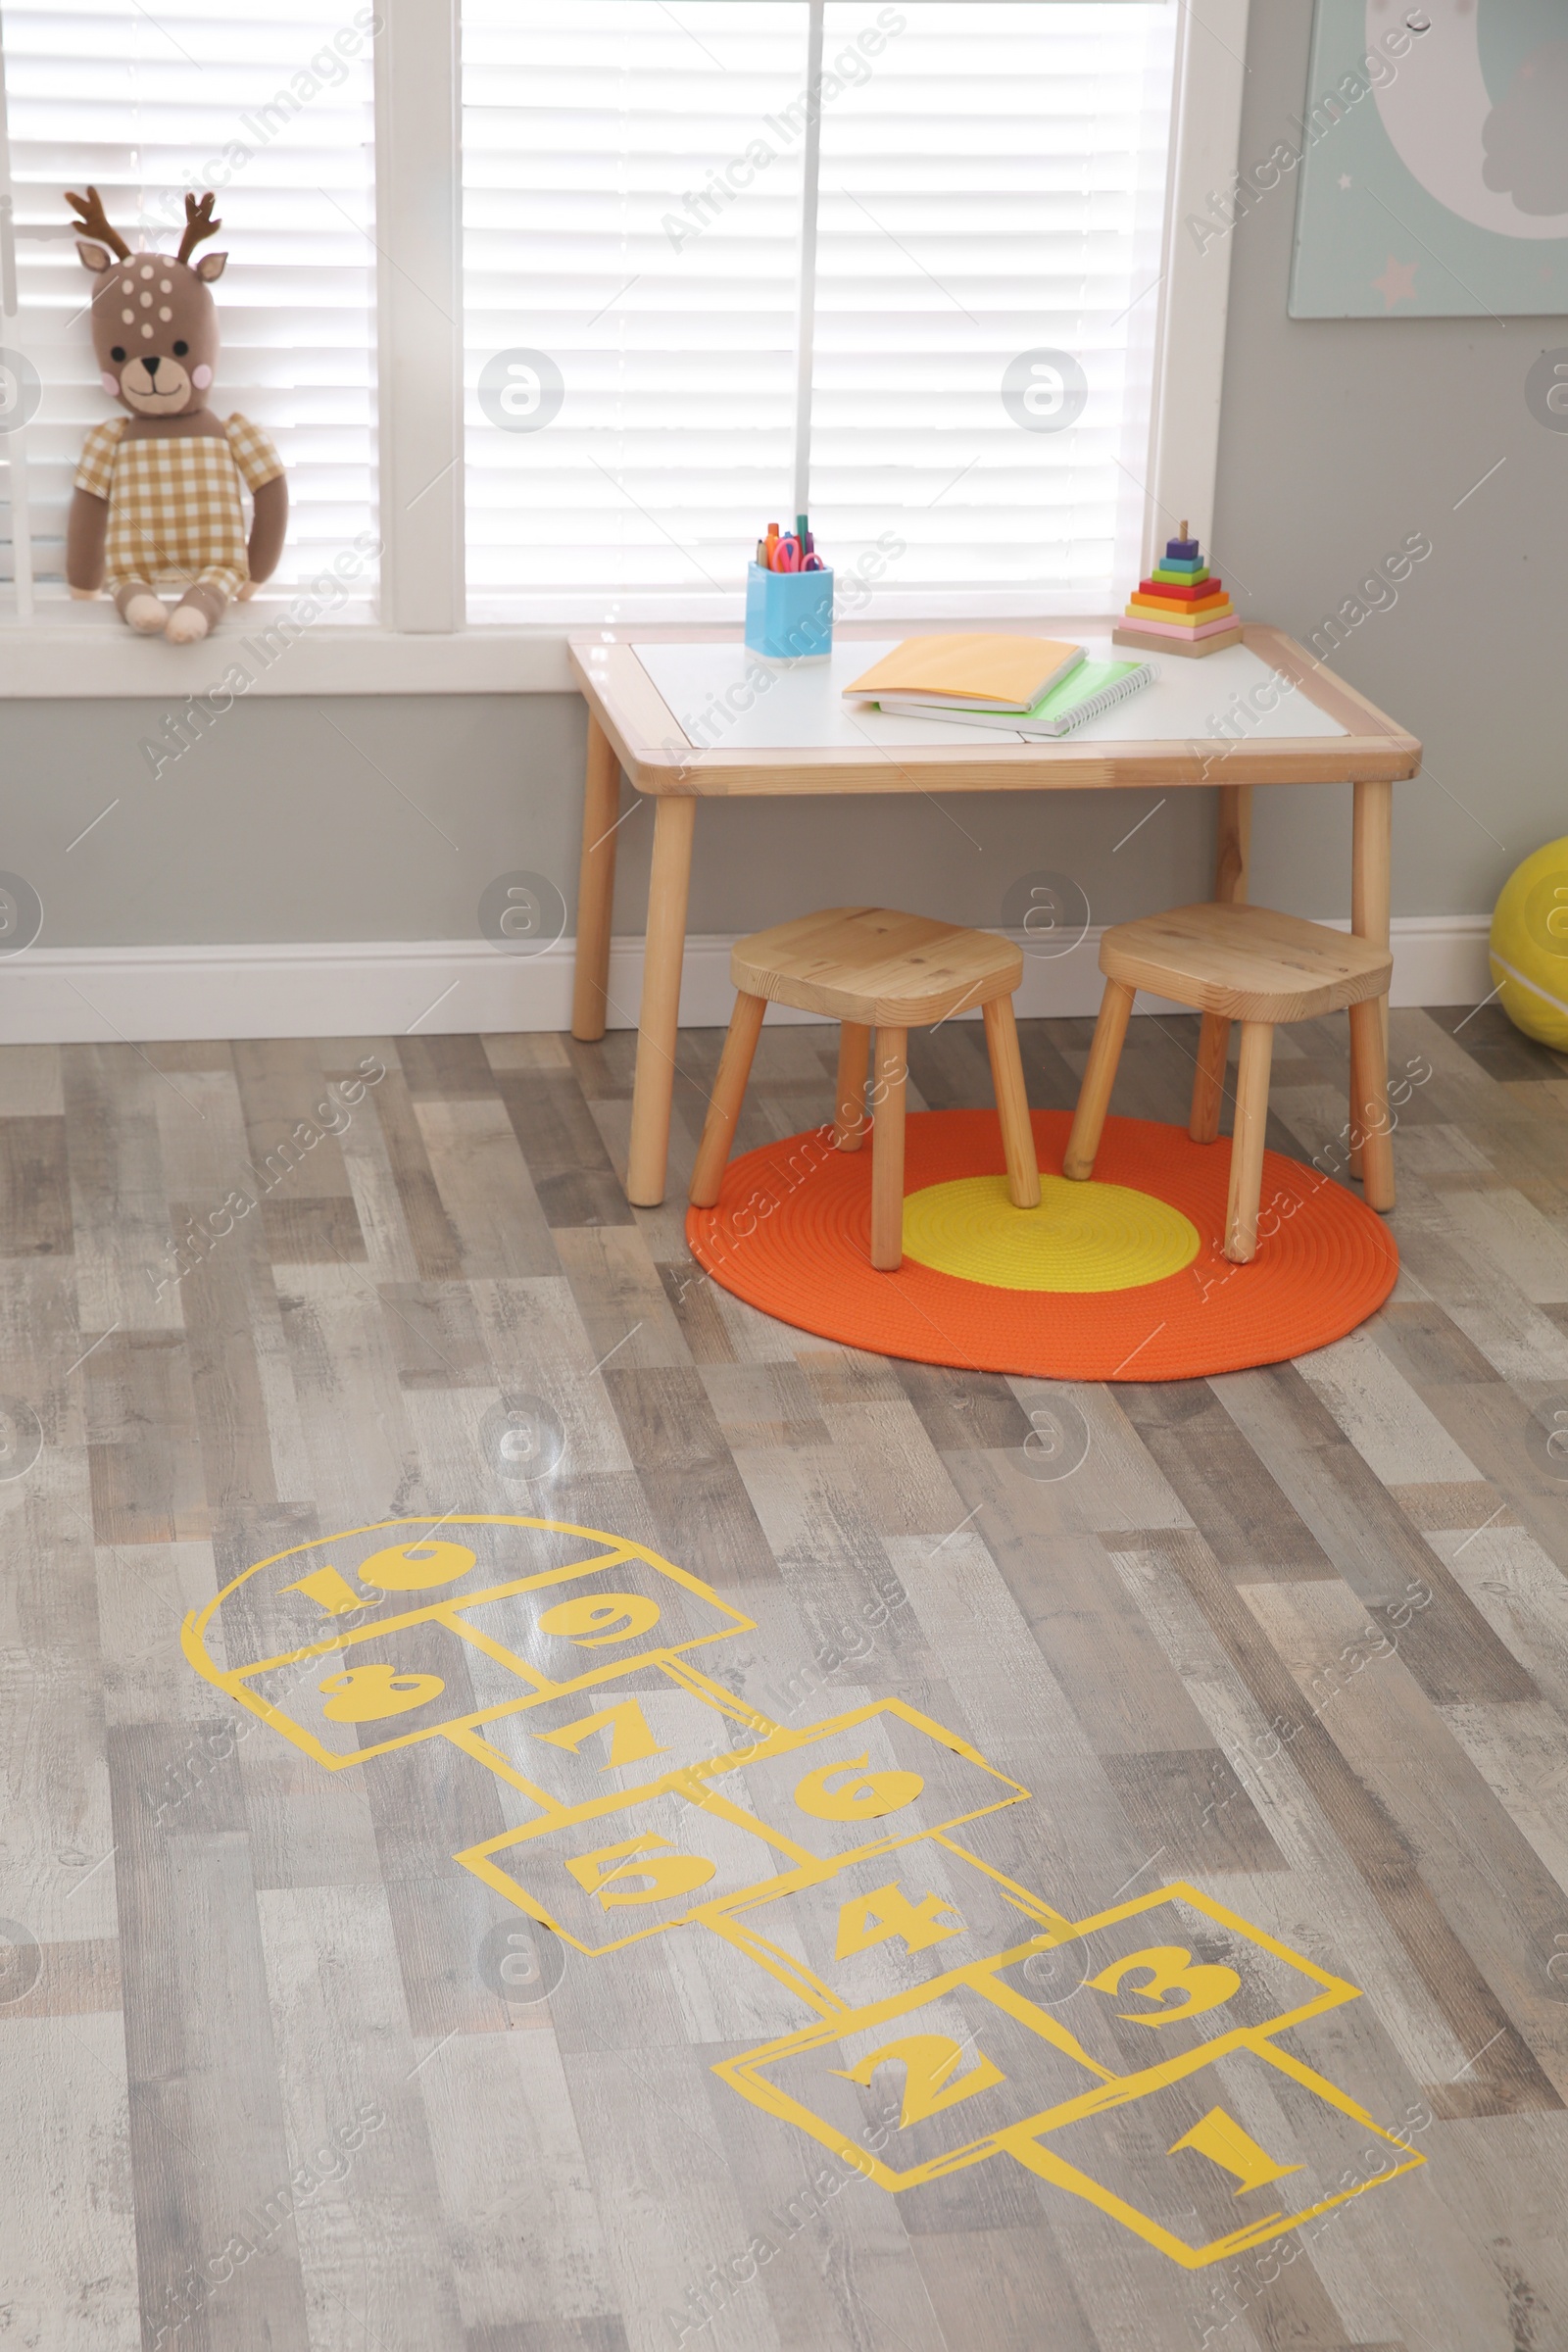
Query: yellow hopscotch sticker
952,2016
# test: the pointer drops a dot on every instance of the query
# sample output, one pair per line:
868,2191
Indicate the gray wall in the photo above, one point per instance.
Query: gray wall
1338,440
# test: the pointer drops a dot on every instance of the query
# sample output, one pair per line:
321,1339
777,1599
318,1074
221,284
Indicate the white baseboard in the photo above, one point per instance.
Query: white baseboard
349,988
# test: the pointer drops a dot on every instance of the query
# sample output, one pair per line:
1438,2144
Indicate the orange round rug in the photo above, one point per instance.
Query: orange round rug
1119,1278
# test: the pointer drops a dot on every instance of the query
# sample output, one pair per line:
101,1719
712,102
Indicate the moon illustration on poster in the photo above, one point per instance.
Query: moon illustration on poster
1501,165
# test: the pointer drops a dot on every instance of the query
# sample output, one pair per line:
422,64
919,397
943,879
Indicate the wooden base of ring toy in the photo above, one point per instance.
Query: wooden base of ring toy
1147,643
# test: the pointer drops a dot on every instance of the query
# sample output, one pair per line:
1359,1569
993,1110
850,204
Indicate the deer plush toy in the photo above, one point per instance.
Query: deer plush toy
158,490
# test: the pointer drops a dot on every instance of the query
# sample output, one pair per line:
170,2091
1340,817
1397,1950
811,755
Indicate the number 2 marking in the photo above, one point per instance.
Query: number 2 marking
930,2081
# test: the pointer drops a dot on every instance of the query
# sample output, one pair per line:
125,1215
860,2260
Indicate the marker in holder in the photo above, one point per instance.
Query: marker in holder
789,615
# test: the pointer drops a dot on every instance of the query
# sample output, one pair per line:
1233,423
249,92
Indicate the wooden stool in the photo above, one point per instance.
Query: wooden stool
869,968
1246,965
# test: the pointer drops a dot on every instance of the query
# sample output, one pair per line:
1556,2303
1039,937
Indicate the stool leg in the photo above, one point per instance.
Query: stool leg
724,1106
887,1151
1368,1062
1094,1095
1247,1143
1012,1104
1209,1079
848,1101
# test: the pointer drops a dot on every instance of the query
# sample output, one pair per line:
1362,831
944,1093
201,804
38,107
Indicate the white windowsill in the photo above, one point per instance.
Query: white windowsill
68,651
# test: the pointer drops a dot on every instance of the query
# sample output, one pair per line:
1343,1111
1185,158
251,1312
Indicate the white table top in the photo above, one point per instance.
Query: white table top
803,707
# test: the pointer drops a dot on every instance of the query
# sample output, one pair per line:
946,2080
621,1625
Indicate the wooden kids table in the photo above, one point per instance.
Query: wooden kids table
792,735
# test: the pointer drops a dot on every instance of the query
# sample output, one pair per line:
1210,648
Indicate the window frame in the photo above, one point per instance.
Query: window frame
419,471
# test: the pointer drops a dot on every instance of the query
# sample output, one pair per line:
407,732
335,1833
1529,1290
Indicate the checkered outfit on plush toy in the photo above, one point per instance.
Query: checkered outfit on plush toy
175,509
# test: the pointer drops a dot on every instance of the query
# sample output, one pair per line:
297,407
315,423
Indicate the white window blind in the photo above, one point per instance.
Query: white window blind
271,106
990,198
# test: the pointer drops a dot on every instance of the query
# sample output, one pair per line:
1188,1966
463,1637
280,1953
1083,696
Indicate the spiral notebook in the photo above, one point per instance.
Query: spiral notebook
1093,688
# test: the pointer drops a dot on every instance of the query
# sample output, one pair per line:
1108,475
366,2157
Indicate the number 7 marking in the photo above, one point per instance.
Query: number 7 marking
630,1739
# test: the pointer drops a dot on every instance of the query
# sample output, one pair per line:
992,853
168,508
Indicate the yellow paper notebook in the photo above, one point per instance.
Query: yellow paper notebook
1001,673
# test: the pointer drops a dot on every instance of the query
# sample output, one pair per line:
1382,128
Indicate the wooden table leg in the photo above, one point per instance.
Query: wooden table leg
596,886
1369,1062
1371,867
1233,849
653,1092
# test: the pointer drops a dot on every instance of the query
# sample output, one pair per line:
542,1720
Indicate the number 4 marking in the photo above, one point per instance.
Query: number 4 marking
630,1739
868,1920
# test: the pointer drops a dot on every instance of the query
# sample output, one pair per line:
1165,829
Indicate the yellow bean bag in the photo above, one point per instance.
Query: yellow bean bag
1530,946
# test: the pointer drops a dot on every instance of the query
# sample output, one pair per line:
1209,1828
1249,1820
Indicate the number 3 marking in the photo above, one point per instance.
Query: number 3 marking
1196,1985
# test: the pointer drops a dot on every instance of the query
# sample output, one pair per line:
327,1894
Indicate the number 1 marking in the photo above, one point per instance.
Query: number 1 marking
1218,2136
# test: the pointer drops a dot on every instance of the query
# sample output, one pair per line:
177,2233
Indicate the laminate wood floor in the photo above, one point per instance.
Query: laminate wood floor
281,2064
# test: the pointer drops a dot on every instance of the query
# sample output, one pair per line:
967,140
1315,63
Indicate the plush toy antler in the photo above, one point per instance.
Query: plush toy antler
199,225
92,217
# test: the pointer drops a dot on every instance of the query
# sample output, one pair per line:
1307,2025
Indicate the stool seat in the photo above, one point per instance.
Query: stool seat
873,970
1246,964
873,965
1254,966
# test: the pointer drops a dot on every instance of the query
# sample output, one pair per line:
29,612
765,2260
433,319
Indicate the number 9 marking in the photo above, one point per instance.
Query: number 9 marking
594,1619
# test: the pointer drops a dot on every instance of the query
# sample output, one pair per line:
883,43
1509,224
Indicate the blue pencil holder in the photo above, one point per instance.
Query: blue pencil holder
789,615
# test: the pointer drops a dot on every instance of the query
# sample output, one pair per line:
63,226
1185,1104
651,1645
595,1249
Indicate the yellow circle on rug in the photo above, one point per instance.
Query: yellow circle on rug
1083,1237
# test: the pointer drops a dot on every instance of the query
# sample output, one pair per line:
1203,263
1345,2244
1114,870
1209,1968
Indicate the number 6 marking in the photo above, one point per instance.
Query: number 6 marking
859,1794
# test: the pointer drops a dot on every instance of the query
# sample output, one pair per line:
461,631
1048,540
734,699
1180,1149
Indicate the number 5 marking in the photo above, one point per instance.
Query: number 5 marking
667,1873
1196,1985
929,2083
